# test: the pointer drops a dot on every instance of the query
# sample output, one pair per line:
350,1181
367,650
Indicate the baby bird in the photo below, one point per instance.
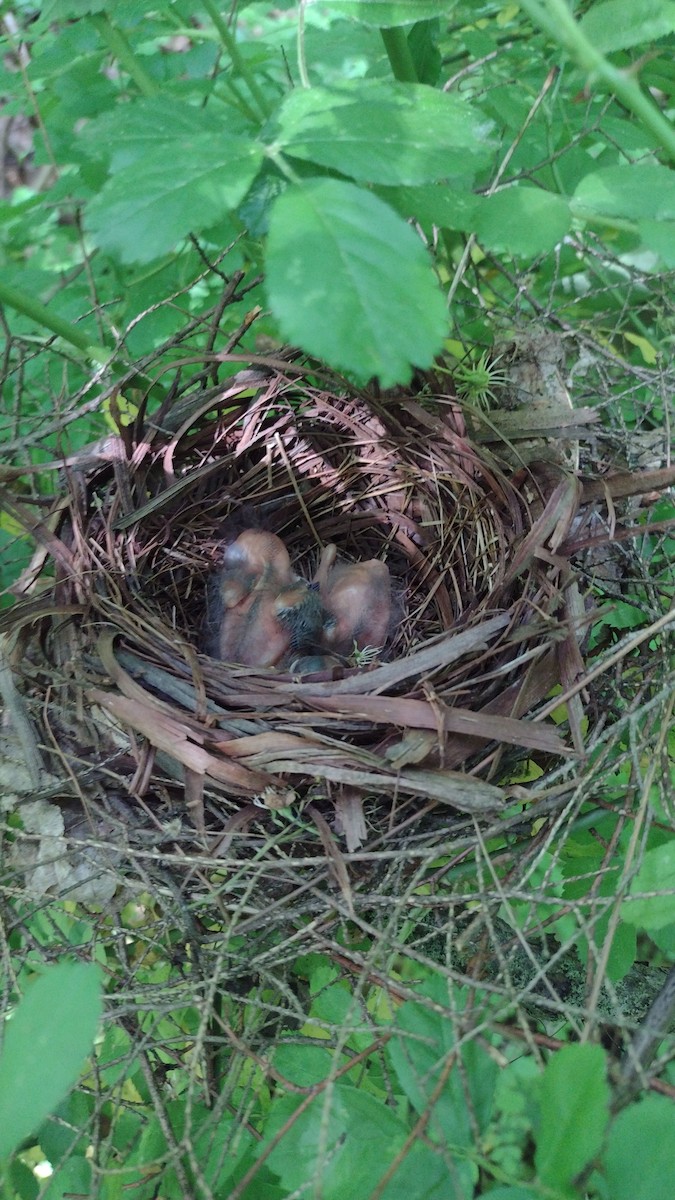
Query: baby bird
312,664
268,625
357,598
261,612
255,561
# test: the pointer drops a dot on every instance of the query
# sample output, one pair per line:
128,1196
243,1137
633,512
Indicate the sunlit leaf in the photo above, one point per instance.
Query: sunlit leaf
140,214
390,12
349,281
521,221
130,132
634,191
419,134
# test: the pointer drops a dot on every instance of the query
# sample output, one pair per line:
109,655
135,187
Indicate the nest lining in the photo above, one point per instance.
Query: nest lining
488,620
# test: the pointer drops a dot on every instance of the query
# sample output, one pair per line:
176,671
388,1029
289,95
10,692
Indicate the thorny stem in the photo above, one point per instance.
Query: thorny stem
555,17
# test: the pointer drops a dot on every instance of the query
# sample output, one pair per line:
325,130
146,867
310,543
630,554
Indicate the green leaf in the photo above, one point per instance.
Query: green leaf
424,1175
304,1065
574,1110
387,13
330,1138
335,1004
419,1054
656,875
512,1193
620,24
635,192
426,56
211,1137
638,1161
521,221
71,1179
64,10
115,1049
46,1043
57,1136
387,134
665,940
659,236
182,188
333,1140
130,132
349,281
22,1180
434,204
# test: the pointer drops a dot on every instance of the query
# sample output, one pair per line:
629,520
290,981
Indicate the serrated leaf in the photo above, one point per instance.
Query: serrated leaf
66,10
181,189
333,1139
638,1161
620,24
130,132
574,1110
522,220
635,191
434,204
46,1043
423,1044
423,1175
388,134
387,13
318,1140
349,281
305,1065
656,875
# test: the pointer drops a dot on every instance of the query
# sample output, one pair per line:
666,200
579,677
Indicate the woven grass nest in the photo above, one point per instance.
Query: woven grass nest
142,730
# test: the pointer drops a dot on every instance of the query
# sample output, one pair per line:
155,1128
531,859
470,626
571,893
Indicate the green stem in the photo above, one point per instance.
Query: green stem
183,30
282,165
555,18
238,100
122,51
398,53
230,44
302,56
36,311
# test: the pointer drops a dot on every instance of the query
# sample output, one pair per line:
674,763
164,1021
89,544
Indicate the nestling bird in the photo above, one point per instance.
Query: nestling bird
260,611
312,664
256,560
357,598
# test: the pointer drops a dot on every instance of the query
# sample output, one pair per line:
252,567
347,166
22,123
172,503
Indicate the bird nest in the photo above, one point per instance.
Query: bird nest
145,734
